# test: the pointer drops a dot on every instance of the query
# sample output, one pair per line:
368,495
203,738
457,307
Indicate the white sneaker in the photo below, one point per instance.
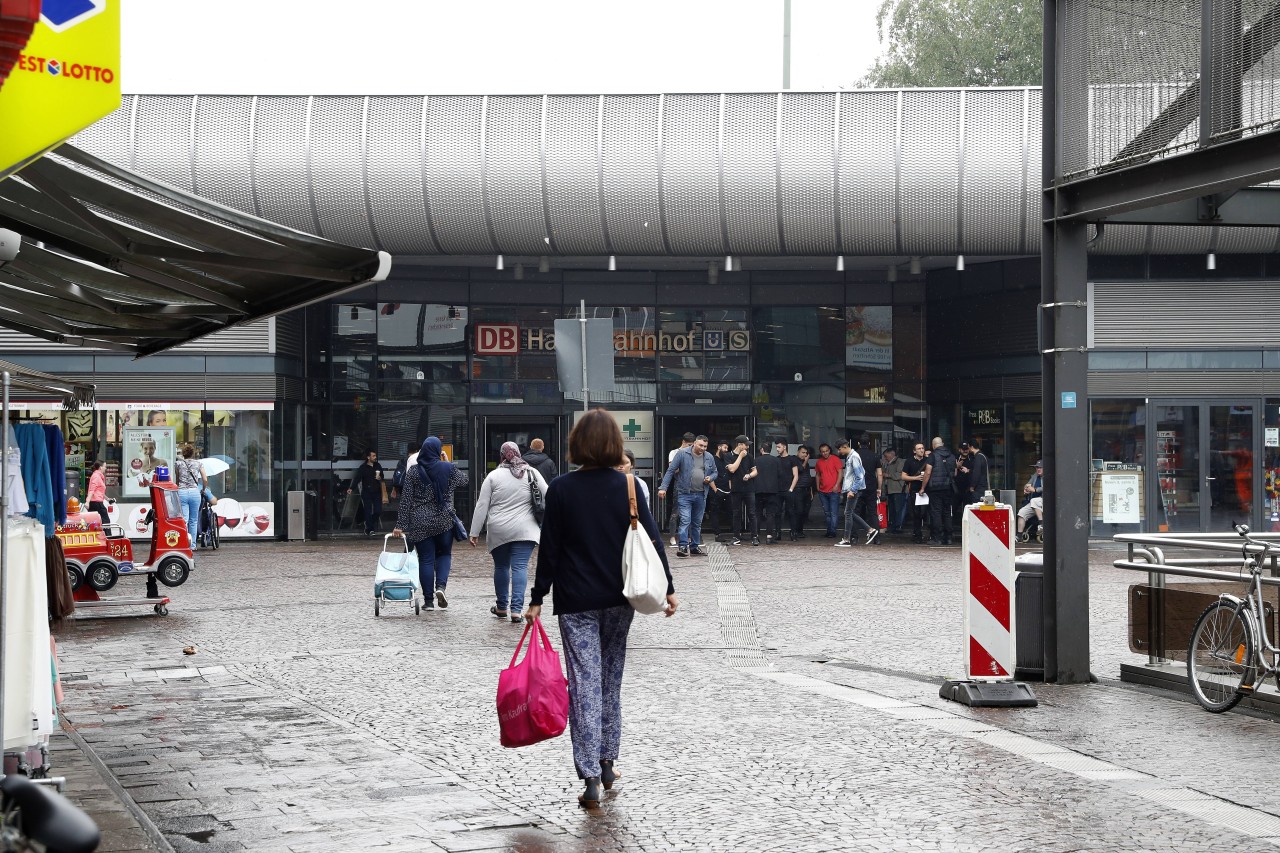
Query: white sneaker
872,536
844,543
441,600
673,541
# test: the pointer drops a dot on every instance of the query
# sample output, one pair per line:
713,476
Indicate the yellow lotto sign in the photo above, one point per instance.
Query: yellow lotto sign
67,77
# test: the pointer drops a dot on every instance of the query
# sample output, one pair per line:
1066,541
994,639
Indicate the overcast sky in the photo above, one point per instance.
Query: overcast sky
391,47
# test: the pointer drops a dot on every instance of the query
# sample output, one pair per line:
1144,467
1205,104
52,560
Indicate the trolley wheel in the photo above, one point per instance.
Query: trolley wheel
376,603
76,574
161,610
102,575
1040,533
173,571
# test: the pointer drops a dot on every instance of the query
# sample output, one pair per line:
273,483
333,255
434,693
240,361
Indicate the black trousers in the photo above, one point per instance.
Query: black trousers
866,508
720,511
371,500
743,506
801,504
941,506
770,507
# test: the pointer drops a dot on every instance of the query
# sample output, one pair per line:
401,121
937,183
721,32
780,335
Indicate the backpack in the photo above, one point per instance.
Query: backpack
397,479
944,470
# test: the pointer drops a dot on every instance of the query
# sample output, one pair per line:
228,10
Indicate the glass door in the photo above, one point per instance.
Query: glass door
1204,464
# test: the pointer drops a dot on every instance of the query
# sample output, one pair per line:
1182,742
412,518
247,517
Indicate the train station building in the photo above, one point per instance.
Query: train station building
799,265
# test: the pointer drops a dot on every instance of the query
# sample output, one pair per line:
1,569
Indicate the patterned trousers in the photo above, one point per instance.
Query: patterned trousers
595,650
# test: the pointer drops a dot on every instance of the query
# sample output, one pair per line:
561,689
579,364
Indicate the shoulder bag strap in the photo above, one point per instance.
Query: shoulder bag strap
631,499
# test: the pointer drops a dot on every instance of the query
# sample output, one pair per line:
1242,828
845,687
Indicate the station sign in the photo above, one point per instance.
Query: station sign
511,339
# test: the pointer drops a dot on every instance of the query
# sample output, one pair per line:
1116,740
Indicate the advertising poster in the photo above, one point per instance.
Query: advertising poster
236,519
1120,498
144,449
868,337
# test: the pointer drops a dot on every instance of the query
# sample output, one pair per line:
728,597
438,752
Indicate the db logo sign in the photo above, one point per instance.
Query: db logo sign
171,538
497,339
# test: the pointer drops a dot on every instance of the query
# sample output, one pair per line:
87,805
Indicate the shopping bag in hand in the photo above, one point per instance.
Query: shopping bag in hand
533,695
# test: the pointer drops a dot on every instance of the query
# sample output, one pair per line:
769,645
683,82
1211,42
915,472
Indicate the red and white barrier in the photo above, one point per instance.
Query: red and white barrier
989,614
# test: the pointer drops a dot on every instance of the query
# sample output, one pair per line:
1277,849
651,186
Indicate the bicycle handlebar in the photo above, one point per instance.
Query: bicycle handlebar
1265,547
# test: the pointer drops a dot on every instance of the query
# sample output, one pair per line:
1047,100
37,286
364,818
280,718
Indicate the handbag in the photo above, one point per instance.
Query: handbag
533,695
536,502
396,569
460,533
644,579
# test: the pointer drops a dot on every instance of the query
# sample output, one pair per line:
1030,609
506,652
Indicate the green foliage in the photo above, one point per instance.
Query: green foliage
957,43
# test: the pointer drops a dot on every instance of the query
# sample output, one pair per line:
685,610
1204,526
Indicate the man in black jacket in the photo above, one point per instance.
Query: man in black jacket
939,485
368,478
768,493
541,462
979,478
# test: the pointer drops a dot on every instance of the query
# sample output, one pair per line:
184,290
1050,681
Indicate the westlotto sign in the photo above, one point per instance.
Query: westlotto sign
509,339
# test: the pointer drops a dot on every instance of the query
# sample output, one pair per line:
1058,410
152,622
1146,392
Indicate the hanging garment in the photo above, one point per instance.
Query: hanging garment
35,474
62,602
28,707
56,450
16,489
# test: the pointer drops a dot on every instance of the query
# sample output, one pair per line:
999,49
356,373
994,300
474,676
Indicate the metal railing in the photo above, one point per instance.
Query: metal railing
1146,553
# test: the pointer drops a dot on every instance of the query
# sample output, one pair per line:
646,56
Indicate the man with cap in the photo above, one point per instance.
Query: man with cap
1033,491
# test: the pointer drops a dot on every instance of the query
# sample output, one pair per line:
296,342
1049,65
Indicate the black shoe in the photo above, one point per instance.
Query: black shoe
793,536
755,541
590,798
682,551
800,534
872,536
607,774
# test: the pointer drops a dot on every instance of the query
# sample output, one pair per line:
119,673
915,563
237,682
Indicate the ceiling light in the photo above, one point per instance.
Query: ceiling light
1211,262
544,265
613,263
959,263
839,263
499,262
728,263
915,266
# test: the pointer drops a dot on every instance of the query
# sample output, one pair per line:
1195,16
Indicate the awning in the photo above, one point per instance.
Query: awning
111,259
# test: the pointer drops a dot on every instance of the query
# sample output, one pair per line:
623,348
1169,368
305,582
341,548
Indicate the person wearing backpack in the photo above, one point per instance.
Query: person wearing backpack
939,485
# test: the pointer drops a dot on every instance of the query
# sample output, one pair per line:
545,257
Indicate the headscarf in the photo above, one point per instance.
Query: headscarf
512,460
438,472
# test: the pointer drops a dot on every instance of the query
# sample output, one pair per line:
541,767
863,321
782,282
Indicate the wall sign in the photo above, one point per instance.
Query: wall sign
510,339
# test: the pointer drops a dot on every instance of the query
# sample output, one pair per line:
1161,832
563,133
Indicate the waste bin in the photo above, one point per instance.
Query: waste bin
302,515
1028,593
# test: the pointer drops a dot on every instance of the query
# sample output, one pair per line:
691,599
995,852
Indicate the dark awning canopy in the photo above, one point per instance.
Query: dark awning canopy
111,259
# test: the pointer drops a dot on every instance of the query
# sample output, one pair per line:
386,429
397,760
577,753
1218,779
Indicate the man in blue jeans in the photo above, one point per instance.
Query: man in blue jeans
694,472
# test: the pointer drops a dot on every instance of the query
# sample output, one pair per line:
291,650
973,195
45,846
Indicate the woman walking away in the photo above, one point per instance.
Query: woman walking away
505,508
98,492
580,555
191,479
426,518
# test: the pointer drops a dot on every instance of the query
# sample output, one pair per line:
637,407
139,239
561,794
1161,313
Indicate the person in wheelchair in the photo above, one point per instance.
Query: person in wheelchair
1033,502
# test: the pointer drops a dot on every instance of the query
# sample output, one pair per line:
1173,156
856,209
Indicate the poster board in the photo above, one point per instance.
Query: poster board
144,448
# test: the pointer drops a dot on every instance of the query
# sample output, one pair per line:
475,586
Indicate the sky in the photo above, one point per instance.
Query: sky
417,47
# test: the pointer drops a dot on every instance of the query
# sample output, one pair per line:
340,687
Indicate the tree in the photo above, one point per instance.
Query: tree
957,43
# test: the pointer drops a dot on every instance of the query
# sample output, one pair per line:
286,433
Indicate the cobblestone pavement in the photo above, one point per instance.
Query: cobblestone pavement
792,704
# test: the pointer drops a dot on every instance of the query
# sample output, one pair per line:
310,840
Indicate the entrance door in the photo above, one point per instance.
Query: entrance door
494,431
1204,466
670,430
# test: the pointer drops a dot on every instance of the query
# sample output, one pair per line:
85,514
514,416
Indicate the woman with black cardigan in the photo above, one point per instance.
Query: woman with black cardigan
580,554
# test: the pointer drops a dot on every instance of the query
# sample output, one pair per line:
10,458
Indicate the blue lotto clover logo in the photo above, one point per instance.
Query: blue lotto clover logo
61,15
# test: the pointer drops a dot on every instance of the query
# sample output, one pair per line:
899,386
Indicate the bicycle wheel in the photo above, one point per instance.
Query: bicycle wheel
1220,660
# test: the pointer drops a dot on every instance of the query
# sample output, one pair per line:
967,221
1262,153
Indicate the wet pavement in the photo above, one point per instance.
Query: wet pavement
792,704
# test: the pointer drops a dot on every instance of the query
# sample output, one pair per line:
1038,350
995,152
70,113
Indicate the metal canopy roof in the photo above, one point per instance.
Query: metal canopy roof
114,260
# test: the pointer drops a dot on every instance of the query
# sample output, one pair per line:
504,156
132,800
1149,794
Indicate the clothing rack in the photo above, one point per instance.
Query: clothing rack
74,396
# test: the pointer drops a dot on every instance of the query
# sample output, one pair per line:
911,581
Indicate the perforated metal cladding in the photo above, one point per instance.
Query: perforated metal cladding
394,170
1229,240
691,174
1031,177
573,175
222,149
281,159
454,174
337,170
868,172
991,204
750,174
629,161
930,171
1180,238
806,165
1123,240
162,146
513,167
111,137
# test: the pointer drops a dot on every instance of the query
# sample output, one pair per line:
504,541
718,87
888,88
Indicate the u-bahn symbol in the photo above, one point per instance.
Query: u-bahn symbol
713,339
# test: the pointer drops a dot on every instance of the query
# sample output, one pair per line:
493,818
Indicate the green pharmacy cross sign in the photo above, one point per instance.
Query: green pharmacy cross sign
631,428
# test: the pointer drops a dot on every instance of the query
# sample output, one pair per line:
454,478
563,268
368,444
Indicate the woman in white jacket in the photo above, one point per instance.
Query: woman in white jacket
505,507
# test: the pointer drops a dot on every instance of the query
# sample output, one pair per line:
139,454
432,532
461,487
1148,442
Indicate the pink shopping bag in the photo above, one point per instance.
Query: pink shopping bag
533,695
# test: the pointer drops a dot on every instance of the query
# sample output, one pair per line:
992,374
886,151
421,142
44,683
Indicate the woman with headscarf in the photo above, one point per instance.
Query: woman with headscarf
426,518
505,508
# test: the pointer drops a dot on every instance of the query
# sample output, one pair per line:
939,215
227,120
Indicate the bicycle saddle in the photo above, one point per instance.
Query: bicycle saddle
48,818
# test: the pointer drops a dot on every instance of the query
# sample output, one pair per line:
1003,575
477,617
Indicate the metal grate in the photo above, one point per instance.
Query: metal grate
868,154
748,154
162,139
573,175
806,172
337,168
930,180
1240,315
629,165
513,173
111,137
454,174
988,198
691,174
222,144
394,171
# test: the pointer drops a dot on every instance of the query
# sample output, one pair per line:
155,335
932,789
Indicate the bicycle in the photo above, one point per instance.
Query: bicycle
206,525
1225,661
34,817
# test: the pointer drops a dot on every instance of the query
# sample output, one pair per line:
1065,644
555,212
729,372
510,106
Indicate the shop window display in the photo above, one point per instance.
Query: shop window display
1118,431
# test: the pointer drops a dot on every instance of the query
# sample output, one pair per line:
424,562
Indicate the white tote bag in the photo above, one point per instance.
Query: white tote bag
644,581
